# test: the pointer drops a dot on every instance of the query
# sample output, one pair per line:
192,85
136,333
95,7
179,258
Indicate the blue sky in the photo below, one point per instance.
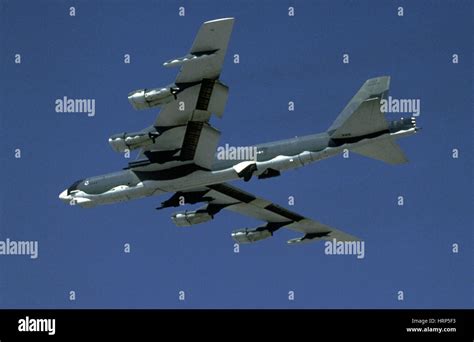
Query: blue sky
282,59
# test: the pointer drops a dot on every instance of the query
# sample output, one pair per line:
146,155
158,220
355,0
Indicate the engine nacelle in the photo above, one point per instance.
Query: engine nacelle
123,142
147,98
189,218
251,235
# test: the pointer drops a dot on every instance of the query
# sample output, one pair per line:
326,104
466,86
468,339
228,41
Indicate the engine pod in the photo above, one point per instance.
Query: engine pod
249,236
189,218
148,98
123,142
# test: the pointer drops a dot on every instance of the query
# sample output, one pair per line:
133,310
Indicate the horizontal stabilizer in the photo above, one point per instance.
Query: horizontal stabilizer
384,150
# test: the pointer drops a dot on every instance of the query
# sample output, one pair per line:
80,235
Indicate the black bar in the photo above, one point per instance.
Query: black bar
239,324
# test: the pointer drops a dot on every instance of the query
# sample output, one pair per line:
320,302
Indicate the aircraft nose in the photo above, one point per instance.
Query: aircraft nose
63,196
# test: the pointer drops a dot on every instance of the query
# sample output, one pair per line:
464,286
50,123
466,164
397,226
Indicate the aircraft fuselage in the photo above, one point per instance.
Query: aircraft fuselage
271,159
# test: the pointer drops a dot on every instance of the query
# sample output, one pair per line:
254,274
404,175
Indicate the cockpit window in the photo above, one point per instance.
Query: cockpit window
74,186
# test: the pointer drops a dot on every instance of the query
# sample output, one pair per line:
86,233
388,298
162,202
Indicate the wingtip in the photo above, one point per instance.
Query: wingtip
229,19
378,79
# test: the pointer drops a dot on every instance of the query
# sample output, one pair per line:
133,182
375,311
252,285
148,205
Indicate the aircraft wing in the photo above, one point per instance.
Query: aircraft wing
206,56
199,77
226,196
183,130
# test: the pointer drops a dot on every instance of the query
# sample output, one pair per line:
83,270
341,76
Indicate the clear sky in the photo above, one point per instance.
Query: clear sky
407,248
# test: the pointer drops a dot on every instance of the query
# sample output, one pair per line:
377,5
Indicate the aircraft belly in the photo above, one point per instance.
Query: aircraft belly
124,193
198,179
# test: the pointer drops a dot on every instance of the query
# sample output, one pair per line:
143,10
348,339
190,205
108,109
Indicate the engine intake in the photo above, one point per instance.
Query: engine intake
147,98
189,218
248,235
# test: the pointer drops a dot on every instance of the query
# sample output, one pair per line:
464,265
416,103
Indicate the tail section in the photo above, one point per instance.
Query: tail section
385,150
362,118
362,115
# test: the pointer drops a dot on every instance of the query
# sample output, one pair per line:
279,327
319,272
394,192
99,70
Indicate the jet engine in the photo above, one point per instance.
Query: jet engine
189,218
251,235
147,98
130,141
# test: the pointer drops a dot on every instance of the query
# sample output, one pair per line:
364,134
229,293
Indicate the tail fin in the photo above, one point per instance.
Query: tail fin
385,150
362,115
